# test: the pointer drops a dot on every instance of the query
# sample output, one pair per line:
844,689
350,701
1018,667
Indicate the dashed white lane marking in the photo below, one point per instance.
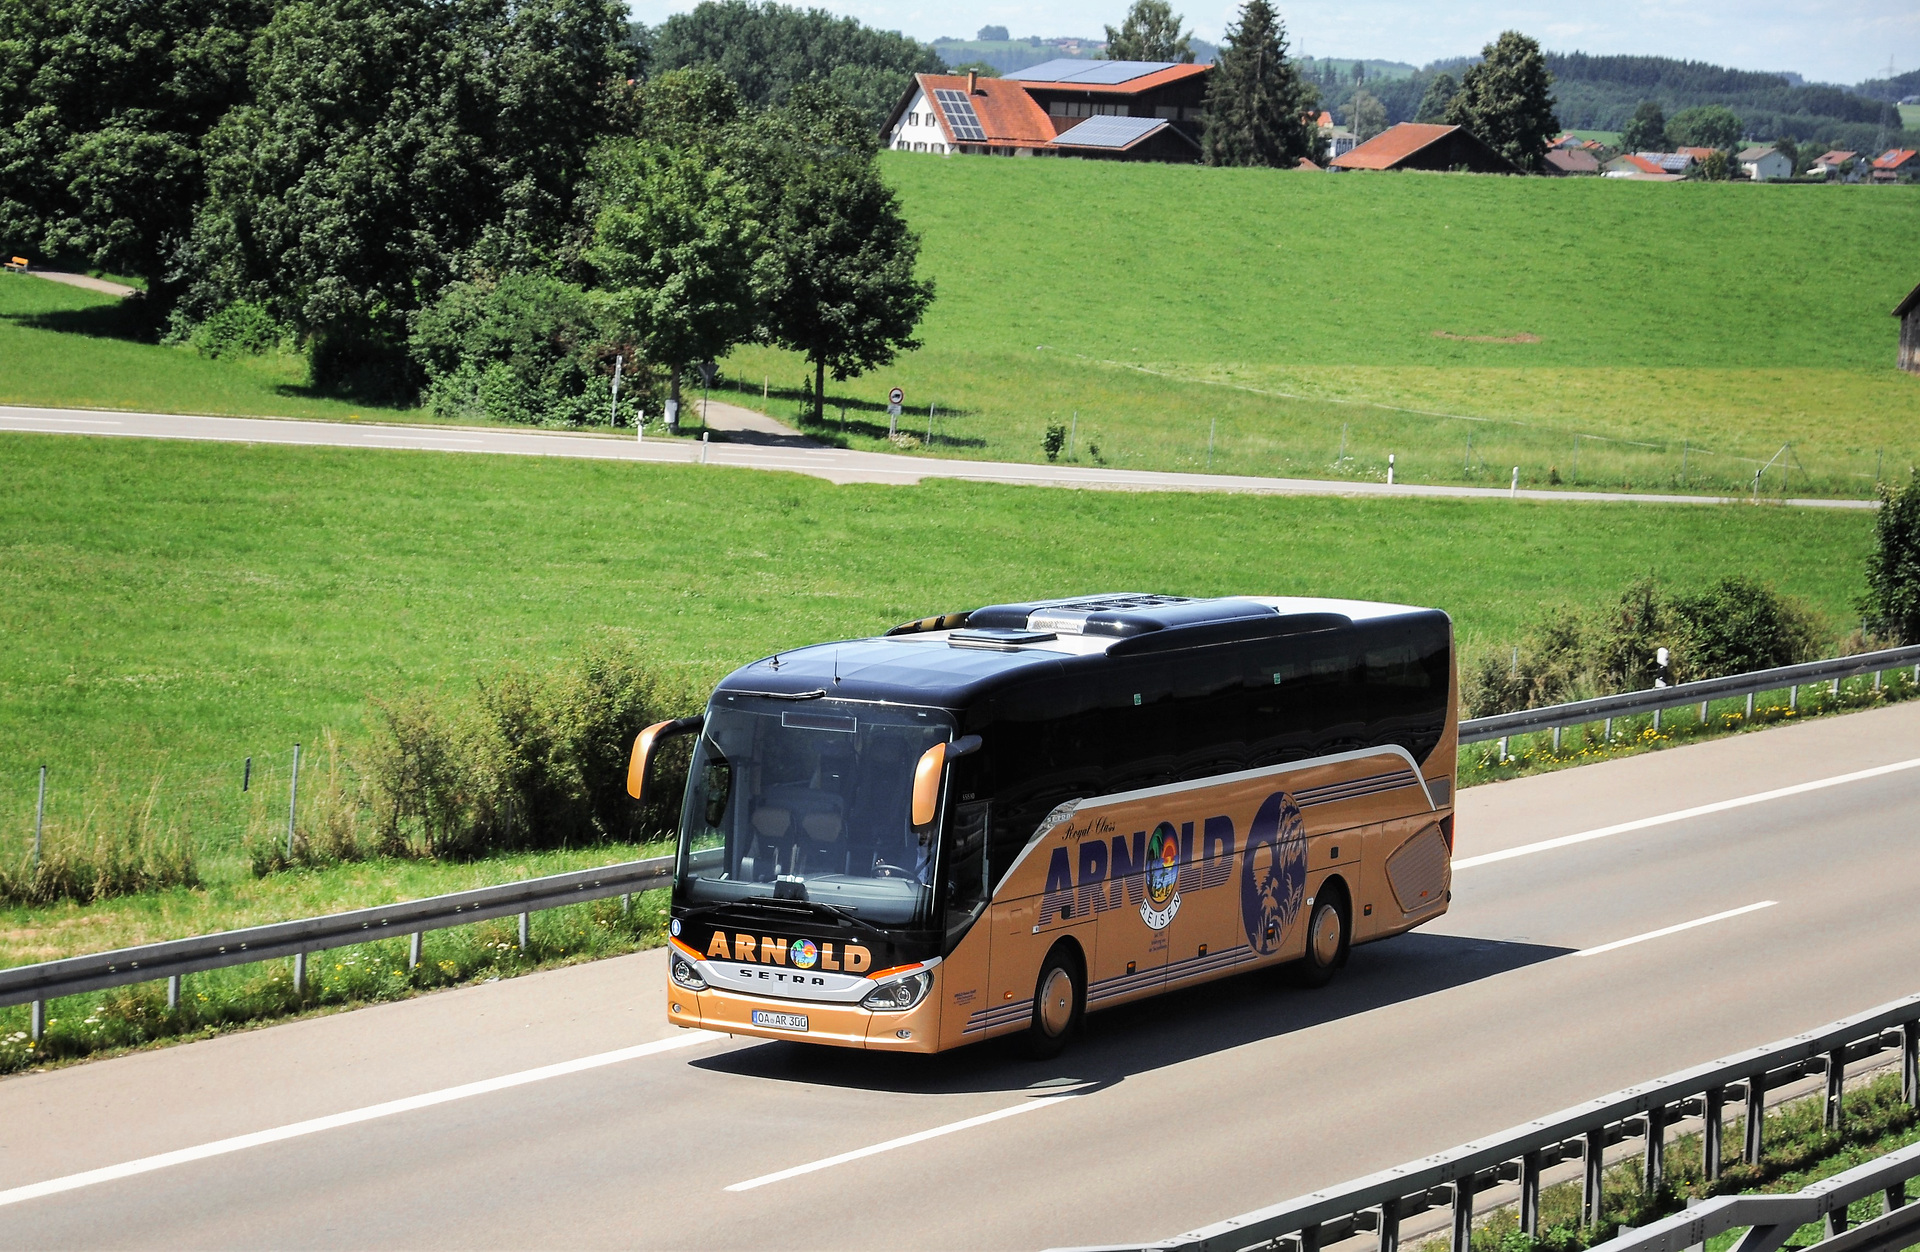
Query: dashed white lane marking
1718,806
1674,930
261,1138
921,1136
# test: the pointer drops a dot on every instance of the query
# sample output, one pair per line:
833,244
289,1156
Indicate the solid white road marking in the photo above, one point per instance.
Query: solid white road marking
260,1138
1039,1102
70,421
1719,806
1674,930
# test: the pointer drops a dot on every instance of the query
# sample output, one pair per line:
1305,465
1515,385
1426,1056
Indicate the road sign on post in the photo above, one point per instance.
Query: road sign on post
894,400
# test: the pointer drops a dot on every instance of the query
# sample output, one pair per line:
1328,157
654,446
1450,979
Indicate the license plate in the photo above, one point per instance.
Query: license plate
780,1021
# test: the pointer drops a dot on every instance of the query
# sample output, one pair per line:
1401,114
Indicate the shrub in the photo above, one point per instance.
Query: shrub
1056,439
1892,602
524,348
526,762
238,329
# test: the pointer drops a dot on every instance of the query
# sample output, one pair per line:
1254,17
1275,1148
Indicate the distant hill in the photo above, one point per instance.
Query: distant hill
1008,55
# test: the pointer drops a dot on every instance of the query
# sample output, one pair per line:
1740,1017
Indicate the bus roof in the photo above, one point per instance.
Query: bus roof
951,660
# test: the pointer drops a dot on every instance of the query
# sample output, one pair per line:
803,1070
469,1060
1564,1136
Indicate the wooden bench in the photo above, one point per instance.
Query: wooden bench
17,264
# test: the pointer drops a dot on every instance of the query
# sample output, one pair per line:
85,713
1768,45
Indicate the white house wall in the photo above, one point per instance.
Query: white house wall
918,130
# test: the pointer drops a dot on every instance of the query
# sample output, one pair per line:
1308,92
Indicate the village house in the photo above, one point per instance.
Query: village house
1340,140
1896,165
1639,167
1765,164
1571,161
1419,146
1116,110
1834,164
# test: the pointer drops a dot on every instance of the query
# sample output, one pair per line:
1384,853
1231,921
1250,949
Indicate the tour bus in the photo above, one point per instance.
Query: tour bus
990,822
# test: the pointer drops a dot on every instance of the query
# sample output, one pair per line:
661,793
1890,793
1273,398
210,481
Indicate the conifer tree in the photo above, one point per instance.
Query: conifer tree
1259,109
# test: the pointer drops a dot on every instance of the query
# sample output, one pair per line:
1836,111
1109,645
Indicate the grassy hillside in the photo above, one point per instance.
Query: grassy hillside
176,607
1157,300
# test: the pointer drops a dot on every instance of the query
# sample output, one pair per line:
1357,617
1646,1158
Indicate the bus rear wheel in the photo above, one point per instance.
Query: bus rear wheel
1059,1001
1327,932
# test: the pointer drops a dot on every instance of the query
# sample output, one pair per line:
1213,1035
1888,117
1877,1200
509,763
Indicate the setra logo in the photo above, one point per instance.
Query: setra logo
1163,877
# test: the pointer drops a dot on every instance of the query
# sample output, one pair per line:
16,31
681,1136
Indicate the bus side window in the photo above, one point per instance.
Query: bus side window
966,865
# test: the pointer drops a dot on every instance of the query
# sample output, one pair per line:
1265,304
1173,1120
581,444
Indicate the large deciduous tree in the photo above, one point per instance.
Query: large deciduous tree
1439,94
1705,126
839,274
393,147
104,106
1646,130
1507,100
1259,109
1150,32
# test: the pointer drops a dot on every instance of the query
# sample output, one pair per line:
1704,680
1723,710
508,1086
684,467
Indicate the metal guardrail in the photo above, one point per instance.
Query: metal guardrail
1380,1202
1786,678
36,984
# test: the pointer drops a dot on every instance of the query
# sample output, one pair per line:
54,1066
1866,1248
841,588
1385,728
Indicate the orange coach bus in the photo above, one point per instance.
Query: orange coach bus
990,822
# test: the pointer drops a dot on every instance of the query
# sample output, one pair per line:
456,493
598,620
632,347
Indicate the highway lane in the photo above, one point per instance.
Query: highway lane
833,464
1177,1112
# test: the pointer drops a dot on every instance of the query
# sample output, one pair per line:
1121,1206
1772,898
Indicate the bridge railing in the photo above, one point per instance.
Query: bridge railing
1379,1202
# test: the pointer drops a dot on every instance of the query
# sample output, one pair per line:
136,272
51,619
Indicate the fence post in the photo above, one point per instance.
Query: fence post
1710,1146
1530,1194
1389,469
1590,1181
1463,1213
37,1023
173,993
1836,1084
1513,489
1389,1225
293,799
39,816
1215,425
1756,1119
523,932
413,950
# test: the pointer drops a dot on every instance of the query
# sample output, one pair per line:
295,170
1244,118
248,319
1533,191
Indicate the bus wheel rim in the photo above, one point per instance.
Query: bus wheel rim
1056,1002
1326,936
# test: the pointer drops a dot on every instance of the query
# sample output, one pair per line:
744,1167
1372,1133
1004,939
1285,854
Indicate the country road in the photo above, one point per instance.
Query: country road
1562,972
833,464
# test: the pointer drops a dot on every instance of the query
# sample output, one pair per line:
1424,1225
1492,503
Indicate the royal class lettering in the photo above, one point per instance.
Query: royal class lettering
850,958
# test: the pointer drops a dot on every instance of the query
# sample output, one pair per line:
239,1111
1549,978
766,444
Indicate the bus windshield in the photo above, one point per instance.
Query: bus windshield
811,803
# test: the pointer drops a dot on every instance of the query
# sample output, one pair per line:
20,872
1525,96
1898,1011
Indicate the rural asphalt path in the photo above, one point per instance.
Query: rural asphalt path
592,1123
764,453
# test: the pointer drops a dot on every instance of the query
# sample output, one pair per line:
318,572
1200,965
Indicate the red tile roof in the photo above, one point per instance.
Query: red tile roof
1837,157
1007,113
1573,161
1392,145
1642,164
1894,158
1698,154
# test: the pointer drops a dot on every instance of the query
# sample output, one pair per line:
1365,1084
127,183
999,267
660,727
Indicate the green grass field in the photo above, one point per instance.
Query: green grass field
1275,309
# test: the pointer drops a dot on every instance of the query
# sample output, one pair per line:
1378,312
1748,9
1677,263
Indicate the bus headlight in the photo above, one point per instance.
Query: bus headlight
686,975
899,993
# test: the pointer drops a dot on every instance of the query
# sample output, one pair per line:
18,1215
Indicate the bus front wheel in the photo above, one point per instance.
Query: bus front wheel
1059,1001
1327,932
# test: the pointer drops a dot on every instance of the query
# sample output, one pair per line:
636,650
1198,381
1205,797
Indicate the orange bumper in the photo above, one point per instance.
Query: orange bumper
841,1025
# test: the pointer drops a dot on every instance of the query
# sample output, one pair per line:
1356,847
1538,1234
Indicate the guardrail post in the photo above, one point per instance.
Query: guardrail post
173,993
1756,1118
1749,706
1703,711
1656,721
523,932
1503,749
1710,1145
1309,1238
1556,741
1530,1194
626,905
1836,1083
1594,1154
1836,1223
1463,1214
1897,1196
1876,682
413,951
1910,1062
37,1020
1793,696
1390,1225
299,973
1656,1147
1609,730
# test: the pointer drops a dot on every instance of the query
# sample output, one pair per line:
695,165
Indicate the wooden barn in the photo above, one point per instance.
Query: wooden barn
1418,146
1908,311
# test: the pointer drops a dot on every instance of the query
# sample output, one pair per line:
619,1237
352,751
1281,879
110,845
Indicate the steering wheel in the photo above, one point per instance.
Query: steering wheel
883,870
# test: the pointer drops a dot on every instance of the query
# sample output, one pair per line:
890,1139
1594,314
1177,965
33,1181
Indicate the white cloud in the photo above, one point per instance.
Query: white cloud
1843,42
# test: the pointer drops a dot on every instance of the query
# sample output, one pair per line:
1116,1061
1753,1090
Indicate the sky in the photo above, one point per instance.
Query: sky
1843,42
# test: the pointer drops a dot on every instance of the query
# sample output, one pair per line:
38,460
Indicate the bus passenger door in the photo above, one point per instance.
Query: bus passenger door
1131,958
1206,935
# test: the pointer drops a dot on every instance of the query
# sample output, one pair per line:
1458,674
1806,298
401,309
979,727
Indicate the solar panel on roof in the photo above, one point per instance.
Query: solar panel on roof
961,119
1100,73
1108,132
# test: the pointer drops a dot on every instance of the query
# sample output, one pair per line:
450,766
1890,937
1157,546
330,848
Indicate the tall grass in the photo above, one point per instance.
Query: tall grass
118,846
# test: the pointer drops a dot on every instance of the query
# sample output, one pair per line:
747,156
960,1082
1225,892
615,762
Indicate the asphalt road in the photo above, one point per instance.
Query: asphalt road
1168,1115
833,464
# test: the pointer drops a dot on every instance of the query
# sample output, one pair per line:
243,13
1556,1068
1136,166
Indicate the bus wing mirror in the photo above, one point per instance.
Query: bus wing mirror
926,783
644,744
926,775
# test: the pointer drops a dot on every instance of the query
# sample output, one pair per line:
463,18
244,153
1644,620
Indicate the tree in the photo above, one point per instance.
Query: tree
1259,111
838,278
1506,100
1647,132
1440,93
993,34
1892,603
1366,115
1704,126
393,147
1150,32
674,251
106,105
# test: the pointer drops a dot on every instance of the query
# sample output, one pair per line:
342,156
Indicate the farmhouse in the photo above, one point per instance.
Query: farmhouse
1908,311
1340,140
1896,164
1117,110
1571,161
1418,146
1833,164
1640,167
1762,164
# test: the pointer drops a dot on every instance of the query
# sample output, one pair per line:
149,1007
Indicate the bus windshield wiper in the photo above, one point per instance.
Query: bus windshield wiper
818,907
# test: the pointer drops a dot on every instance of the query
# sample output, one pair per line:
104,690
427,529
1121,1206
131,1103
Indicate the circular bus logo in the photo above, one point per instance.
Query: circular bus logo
804,953
1163,877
